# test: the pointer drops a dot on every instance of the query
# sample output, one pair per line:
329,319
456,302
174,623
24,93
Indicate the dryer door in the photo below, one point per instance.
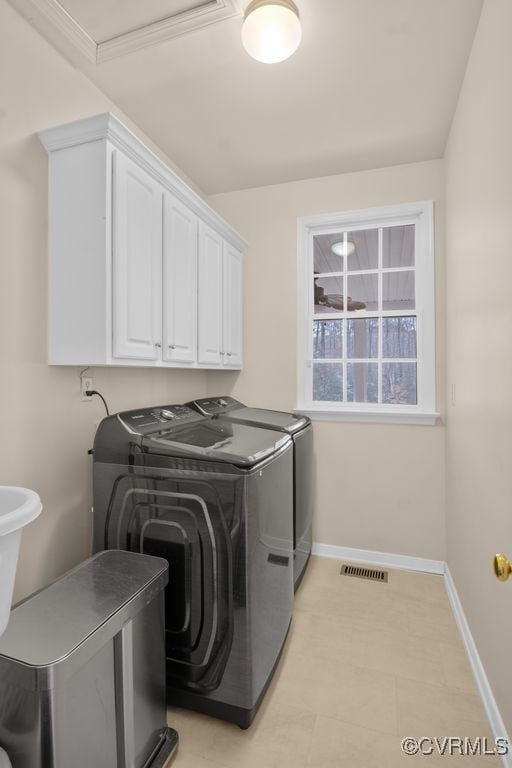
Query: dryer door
182,521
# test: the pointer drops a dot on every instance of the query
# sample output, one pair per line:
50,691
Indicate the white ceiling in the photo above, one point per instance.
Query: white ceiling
374,83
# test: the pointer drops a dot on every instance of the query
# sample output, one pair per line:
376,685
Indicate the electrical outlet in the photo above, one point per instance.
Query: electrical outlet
86,383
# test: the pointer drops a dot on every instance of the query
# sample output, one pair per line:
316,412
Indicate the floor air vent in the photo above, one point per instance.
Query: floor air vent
364,573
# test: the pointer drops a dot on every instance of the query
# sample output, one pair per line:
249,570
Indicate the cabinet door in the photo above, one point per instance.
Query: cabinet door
232,306
180,282
210,351
137,262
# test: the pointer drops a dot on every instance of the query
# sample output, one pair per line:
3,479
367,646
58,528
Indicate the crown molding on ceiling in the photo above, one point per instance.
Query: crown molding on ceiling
59,27
166,29
63,31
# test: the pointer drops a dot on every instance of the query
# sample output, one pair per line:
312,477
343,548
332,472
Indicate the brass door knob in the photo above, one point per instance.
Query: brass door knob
502,567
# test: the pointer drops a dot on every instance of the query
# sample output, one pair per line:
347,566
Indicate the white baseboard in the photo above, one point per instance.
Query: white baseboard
439,567
484,688
383,559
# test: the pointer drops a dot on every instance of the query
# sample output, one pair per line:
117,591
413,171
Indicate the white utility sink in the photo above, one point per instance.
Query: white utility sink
18,507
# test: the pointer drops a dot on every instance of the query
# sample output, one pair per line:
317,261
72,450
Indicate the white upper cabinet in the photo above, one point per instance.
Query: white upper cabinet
141,271
220,301
232,304
210,350
137,262
179,282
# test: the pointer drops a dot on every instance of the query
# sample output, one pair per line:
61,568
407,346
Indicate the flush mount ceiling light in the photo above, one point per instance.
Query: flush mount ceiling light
271,31
343,248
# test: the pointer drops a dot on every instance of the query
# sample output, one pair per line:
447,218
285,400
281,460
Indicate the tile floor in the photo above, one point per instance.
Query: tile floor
366,664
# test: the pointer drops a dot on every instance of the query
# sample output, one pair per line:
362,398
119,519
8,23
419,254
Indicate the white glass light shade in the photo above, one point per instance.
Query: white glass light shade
271,31
343,248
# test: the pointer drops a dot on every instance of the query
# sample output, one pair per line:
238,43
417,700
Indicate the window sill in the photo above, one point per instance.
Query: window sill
370,417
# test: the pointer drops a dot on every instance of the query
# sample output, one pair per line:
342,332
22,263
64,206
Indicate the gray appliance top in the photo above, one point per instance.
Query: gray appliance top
219,440
180,431
233,410
50,625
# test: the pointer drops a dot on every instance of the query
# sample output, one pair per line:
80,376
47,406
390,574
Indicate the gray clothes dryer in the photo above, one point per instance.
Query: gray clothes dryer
301,431
214,498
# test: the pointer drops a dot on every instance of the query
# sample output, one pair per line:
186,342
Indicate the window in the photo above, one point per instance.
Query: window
366,314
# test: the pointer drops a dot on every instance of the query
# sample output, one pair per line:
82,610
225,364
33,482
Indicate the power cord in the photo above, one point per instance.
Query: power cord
91,392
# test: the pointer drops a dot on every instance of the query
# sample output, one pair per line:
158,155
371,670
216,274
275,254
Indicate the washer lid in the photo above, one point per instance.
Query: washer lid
280,420
218,440
232,409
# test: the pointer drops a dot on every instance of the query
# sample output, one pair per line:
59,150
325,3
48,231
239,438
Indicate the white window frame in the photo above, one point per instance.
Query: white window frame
421,214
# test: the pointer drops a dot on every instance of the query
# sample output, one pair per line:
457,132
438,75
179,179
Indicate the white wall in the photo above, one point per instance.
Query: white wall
377,486
479,322
46,430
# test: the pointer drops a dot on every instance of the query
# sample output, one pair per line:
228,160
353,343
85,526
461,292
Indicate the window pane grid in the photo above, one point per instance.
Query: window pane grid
365,271
345,312
319,275
364,372
321,361
379,368
364,314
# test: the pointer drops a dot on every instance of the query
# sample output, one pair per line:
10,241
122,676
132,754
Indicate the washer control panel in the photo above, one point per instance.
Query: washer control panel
148,420
211,406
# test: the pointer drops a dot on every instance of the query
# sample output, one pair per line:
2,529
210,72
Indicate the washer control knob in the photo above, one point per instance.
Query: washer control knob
167,414
221,402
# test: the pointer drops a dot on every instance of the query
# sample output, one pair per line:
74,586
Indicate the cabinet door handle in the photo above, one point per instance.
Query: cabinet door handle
222,354
157,344
172,346
229,354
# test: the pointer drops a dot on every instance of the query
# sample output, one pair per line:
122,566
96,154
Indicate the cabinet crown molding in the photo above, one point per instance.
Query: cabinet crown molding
107,127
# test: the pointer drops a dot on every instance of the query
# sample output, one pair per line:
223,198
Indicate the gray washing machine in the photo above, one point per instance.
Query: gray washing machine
301,431
214,498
